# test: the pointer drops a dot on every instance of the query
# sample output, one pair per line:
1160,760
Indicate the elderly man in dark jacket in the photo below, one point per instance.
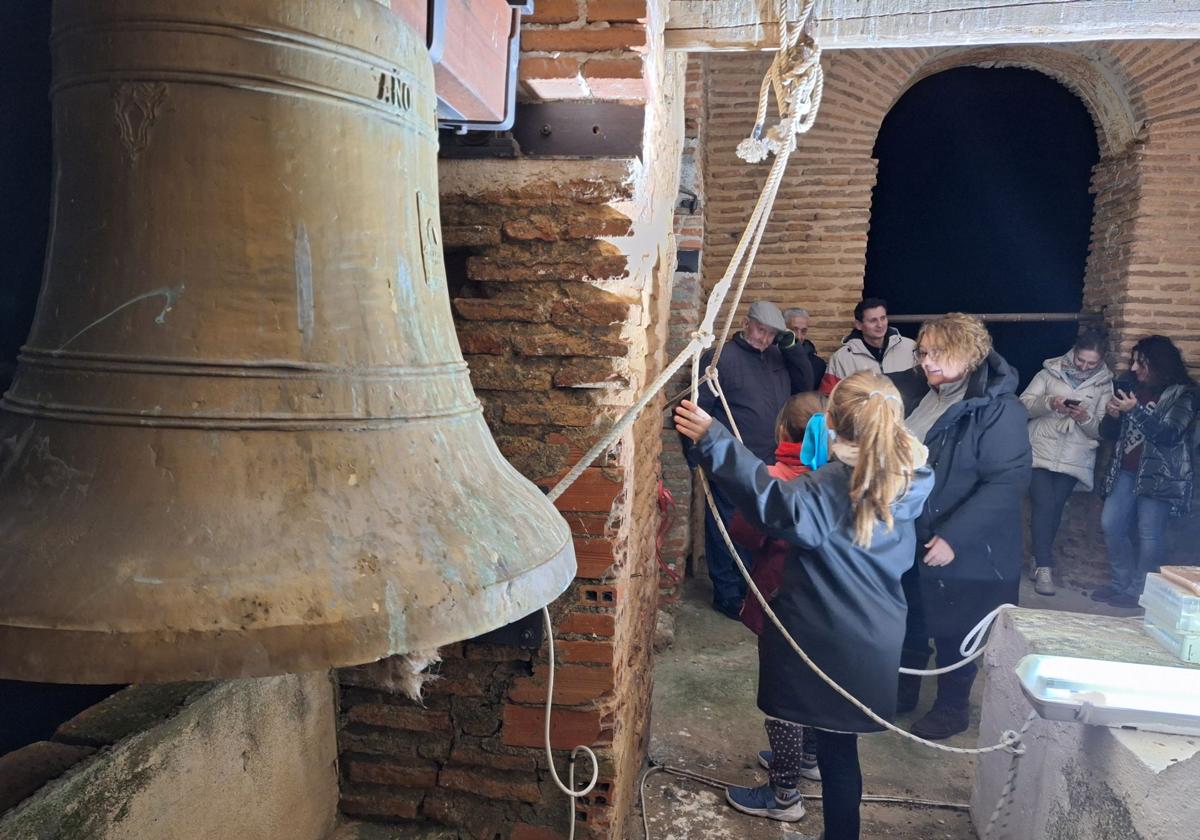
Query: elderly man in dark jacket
759,369
970,532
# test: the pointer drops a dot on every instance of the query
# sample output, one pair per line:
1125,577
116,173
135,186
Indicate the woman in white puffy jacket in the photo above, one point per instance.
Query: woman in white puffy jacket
1066,402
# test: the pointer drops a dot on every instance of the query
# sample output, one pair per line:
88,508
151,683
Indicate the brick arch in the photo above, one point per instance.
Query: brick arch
1092,76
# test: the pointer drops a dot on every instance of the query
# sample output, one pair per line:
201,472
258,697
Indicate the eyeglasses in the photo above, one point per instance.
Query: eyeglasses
933,354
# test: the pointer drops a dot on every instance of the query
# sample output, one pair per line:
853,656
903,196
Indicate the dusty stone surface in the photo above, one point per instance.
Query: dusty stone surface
705,719
128,711
248,759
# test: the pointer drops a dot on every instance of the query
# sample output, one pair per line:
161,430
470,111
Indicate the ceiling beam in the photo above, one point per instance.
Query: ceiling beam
711,25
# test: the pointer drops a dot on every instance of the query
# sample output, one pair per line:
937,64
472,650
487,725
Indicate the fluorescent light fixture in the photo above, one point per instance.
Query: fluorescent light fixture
1153,698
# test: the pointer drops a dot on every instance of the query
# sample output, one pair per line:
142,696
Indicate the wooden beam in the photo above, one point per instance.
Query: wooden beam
710,25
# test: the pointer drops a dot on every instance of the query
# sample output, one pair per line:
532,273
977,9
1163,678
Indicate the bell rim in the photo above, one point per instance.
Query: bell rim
96,657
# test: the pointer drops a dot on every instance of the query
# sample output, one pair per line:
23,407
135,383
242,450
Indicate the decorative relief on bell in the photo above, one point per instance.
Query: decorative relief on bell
136,107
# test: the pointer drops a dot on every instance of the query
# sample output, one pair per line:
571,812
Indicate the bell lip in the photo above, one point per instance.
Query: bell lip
97,657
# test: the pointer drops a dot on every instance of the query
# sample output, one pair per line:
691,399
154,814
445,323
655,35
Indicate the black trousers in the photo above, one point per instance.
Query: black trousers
841,783
1048,494
954,688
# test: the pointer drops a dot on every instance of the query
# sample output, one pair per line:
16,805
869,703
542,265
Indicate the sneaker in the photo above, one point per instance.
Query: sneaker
1043,581
767,801
1106,593
942,722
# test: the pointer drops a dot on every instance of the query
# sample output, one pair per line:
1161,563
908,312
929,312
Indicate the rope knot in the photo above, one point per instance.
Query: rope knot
753,150
1012,742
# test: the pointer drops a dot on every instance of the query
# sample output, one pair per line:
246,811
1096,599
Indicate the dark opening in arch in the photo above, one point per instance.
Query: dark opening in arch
982,204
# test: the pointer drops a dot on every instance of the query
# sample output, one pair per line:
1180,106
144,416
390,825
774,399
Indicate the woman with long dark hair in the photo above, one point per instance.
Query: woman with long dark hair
1150,477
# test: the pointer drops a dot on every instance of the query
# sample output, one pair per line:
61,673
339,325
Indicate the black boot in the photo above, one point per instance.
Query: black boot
908,692
942,721
951,712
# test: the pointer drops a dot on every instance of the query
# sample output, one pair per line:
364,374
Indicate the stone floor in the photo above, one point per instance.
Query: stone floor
705,720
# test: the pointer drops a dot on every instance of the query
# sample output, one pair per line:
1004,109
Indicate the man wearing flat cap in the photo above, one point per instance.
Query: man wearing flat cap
759,369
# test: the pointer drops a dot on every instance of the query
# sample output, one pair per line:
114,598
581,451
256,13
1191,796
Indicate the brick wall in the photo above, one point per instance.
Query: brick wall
587,49
1142,268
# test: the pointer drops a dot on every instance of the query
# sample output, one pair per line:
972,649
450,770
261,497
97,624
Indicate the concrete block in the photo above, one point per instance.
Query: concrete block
1078,782
25,770
125,713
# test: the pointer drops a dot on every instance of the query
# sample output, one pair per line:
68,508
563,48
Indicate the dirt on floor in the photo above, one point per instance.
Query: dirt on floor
705,720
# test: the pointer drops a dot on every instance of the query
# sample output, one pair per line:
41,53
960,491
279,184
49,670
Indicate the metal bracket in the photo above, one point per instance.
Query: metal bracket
580,129
525,633
435,29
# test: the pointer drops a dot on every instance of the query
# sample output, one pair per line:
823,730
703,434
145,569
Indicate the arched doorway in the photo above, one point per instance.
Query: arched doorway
982,204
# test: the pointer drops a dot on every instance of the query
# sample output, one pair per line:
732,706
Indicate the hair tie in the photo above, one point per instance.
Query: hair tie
892,397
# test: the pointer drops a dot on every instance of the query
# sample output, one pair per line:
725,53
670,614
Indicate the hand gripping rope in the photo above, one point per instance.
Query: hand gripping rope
797,81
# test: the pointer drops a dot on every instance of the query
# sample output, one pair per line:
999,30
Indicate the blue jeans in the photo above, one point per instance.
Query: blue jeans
1123,511
729,587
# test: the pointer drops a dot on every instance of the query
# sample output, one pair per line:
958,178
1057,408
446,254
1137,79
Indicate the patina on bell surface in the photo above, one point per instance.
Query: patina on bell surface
242,439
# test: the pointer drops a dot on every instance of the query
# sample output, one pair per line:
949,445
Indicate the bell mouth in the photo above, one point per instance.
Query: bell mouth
163,554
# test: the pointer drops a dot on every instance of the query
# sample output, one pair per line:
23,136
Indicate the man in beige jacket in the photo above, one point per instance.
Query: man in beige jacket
873,345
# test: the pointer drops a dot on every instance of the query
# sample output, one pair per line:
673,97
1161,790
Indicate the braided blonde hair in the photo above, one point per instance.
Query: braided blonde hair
865,409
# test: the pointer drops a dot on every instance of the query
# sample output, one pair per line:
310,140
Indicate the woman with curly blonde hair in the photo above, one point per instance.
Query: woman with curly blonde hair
961,401
850,529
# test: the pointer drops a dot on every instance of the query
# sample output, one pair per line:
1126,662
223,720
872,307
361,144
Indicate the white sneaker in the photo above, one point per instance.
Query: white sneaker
1043,580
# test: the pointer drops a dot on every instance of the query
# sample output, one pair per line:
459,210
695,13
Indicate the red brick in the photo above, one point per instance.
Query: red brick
482,339
594,557
483,309
616,10
402,805
615,78
569,313
601,595
472,756
525,831
400,717
589,373
524,727
548,340
549,414
583,40
542,67
597,652
588,623
491,784
554,11
573,685
594,492
391,773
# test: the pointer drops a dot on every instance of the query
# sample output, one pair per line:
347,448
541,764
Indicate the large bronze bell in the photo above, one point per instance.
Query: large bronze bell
242,439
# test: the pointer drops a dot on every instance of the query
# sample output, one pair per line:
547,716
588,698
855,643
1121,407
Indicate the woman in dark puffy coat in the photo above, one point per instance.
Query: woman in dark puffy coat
962,403
1150,476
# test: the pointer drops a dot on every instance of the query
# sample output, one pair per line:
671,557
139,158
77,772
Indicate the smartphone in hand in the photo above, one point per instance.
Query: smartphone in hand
1071,403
